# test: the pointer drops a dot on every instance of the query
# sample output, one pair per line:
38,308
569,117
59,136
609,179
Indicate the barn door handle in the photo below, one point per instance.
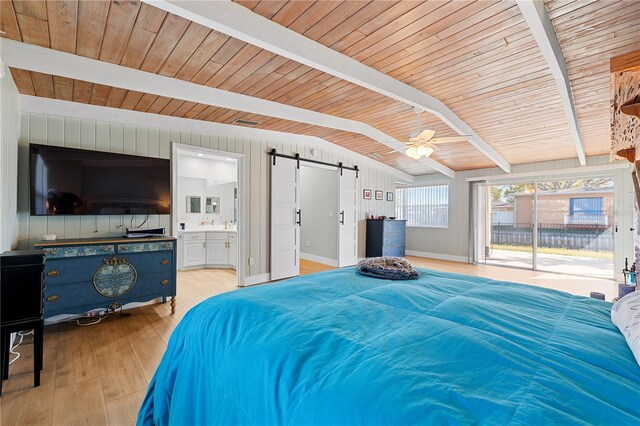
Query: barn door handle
299,214
342,217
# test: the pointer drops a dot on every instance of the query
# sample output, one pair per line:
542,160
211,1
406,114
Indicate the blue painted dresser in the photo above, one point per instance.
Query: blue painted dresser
87,274
386,237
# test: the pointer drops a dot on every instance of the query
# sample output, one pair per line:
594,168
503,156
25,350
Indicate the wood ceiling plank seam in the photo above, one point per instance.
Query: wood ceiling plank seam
228,50
308,94
202,55
622,36
43,84
247,71
9,21
63,88
195,110
270,8
578,14
158,104
82,91
172,106
193,37
99,94
62,18
333,19
137,47
131,99
33,30
145,102
249,4
469,51
239,60
566,7
430,41
203,75
92,22
413,31
150,18
119,25
33,8
172,30
202,115
184,108
260,74
396,25
287,85
606,22
372,10
301,74
116,96
23,81
290,12
317,11
434,46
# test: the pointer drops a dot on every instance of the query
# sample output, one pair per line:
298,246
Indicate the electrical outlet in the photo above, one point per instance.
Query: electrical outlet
308,243
252,261
330,214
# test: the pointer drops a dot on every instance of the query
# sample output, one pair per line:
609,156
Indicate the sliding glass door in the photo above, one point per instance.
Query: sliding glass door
564,226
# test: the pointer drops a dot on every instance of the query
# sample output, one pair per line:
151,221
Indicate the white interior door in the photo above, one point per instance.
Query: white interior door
348,219
285,218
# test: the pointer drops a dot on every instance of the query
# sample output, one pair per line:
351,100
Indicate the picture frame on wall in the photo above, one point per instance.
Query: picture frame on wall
366,194
389,196
379,195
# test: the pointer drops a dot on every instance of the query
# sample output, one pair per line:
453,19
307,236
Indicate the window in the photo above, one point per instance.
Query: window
424,206
586,206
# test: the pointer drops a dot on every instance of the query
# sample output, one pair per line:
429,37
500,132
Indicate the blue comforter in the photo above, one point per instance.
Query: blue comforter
340,348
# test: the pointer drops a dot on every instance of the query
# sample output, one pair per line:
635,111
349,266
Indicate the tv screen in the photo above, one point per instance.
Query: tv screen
66,181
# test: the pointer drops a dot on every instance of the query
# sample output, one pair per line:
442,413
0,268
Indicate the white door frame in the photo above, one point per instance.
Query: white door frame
176,148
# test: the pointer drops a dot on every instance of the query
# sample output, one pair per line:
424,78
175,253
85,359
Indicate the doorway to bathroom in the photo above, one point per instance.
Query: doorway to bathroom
207,211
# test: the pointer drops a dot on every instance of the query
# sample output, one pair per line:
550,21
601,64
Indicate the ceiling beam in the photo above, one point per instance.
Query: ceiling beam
241,23
47,106
535,13
40,59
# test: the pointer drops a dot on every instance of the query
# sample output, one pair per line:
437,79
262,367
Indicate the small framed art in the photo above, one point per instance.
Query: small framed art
389,196
366,194
379,195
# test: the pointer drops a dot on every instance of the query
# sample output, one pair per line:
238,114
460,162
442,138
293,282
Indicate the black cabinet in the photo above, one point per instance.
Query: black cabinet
385,237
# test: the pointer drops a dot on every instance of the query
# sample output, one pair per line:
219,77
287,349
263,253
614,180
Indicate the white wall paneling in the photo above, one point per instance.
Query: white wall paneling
153,141
9,134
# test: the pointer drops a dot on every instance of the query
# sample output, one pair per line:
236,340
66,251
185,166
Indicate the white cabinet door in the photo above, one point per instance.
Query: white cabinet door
217,252
285,218
348,219
194,253
233,253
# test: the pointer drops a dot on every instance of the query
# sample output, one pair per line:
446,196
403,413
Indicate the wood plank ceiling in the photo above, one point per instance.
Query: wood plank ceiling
477,57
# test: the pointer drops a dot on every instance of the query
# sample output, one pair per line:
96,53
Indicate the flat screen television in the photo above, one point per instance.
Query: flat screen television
67,181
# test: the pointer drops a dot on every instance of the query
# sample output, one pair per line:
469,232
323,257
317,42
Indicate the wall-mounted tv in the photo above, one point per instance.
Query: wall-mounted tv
67,181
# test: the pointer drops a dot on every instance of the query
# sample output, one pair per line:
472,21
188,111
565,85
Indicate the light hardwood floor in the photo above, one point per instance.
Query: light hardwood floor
98,374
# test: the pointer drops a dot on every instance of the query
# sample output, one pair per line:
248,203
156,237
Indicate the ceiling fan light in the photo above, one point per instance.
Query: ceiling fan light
422,150
412,151
428,151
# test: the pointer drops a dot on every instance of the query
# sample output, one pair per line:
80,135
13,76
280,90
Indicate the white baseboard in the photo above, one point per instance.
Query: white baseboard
257,279
319,259
439,256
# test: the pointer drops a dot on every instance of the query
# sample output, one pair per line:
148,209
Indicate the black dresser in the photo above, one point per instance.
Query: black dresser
385,237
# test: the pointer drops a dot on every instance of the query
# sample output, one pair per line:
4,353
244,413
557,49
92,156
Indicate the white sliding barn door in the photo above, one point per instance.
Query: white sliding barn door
285,218
348,219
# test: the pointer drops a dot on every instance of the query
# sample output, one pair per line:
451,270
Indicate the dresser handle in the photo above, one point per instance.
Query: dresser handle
53,273
165,282
106,248
53,298
165,261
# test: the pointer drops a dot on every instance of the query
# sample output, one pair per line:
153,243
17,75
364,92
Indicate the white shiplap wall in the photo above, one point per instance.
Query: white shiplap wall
154,142
452,243
9,133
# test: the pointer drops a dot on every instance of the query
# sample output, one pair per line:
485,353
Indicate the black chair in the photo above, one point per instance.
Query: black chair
21,307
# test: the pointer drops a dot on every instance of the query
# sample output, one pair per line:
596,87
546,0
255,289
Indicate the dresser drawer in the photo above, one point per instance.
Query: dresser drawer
146,247
194,236
61,252
220,236
147,263
71,270
81,297
233,236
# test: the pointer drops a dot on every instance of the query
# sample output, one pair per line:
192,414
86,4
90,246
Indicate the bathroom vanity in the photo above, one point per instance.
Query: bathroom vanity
207,247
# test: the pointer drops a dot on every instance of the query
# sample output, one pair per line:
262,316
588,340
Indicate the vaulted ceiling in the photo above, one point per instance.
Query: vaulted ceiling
479,58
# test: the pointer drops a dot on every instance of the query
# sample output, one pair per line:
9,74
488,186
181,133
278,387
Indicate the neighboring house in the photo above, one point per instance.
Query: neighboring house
571,208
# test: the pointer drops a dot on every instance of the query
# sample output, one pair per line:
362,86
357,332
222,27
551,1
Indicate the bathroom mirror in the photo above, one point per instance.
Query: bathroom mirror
193,204
213,205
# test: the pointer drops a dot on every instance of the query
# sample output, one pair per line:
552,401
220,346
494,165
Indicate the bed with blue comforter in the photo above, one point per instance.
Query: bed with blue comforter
341,348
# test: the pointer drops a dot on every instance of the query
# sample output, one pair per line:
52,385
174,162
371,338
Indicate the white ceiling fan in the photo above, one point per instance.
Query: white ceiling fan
422,143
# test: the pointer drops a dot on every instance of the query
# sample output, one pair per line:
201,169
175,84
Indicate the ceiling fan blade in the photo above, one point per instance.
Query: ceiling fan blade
426,134
450,139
